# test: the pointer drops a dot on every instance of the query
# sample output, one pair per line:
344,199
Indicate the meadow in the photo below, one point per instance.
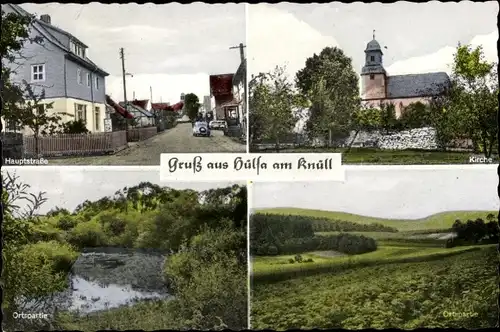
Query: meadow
419,276
201,235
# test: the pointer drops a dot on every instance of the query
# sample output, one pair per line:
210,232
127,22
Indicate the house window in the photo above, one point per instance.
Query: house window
372,76
97,118
88,79
79,76
97,83
81,112
372,58
38,73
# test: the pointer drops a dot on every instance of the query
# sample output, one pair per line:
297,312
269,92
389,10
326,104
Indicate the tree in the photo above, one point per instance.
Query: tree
472,103
329,81
388,120
192,105
416,115
365,119
275,102
255,119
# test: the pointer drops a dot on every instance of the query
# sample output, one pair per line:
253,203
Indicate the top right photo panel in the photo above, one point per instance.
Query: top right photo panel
400,83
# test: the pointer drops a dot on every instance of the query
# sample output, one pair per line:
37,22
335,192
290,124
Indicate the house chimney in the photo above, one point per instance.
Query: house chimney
45,18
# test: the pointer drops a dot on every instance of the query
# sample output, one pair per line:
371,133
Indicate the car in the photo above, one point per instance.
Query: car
217,124
201,128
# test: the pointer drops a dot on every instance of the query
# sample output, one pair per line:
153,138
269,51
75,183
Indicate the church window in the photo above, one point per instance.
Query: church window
372,58
372,76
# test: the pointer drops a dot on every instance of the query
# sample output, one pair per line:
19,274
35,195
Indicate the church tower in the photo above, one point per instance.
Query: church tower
373,75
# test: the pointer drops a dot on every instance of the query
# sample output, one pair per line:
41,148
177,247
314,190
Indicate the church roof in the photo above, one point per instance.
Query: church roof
373,45
416,85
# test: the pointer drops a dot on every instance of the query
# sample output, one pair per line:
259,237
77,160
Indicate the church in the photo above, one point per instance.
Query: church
401,90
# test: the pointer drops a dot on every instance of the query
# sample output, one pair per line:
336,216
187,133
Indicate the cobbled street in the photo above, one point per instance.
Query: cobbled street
176,140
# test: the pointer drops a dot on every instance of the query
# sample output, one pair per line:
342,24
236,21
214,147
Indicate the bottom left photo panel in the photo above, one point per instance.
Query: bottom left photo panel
113,248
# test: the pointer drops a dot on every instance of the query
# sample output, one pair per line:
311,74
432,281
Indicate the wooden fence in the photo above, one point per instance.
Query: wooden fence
63,145
140,134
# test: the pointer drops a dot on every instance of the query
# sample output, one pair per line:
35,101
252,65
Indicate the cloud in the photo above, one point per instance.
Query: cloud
442,59
167,88
275,37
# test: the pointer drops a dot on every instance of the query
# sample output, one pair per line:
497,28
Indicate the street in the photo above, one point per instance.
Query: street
176,140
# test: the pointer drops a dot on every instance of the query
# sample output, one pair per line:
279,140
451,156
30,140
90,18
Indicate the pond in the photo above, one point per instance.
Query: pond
105,278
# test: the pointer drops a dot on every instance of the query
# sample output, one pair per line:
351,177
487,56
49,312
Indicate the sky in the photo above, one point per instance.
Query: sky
171,47
420,37
389,192
69,186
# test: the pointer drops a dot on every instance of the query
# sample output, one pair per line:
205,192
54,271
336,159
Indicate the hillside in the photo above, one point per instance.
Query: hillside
441,220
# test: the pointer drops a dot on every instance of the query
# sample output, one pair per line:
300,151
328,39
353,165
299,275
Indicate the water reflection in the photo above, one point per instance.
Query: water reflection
88,296
104,278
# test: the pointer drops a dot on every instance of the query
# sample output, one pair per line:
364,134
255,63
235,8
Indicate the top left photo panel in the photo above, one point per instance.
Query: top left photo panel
120,84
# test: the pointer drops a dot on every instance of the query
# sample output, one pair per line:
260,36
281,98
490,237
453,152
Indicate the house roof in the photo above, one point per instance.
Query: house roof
131,106
221,85
123,112
239,76
45,30
160,106
416,85
167,107
141,103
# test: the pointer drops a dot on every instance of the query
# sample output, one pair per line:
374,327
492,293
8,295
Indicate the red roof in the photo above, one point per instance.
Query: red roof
160,106
141,103
120,110
177,106
167,107
221,85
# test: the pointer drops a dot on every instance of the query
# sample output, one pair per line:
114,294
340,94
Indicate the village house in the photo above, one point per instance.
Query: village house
239,93
61,66
142,117
401,90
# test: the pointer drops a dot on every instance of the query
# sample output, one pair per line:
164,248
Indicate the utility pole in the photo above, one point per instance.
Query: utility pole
151,93
122,56
242,52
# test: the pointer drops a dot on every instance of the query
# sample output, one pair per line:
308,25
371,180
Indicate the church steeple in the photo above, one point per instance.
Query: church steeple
373,58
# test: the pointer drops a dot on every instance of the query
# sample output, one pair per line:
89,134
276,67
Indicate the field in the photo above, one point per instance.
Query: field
411,281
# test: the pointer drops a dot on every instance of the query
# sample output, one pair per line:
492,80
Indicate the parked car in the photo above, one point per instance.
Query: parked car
201,128
218,124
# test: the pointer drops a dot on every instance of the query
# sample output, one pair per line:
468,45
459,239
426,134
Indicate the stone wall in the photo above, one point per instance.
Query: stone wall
12,145
421,138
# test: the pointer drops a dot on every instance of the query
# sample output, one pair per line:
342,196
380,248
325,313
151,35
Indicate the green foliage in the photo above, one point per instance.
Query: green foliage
210,280
192,105
469,108
367,119
273,105
75,127
206,231
416,115
329,81
475,231
388,120
401,296
279,235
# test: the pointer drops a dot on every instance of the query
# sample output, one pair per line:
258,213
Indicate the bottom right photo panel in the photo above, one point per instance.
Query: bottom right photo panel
389,247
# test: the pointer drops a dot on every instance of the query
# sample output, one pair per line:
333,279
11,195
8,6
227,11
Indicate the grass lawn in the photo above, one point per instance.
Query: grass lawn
396,157
439,221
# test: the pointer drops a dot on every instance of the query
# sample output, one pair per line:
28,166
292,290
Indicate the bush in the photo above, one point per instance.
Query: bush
66,222
88,234
210,281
